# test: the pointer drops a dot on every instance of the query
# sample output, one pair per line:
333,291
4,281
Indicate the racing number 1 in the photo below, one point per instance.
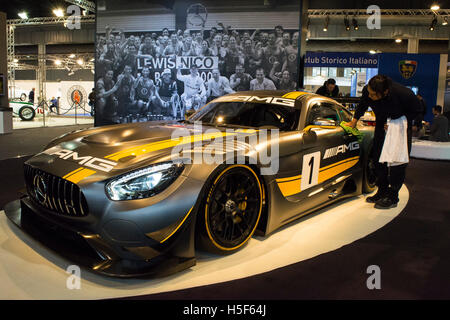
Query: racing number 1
310,170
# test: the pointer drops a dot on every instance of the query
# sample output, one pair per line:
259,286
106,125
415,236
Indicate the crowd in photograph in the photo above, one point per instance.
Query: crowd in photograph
128,84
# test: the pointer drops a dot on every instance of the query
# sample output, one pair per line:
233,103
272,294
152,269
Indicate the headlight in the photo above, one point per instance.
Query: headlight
144,183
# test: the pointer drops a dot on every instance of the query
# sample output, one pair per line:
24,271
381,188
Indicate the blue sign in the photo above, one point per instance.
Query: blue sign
341,59
414,70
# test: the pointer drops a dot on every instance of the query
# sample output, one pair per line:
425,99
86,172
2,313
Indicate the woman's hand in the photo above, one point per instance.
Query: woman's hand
351,123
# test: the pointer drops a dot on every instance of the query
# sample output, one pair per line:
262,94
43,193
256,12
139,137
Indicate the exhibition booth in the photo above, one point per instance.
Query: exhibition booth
207,159
67,110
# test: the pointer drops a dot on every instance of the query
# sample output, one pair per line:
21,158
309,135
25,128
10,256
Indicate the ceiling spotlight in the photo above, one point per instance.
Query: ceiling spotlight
58,62
80,62
445,21
58,12
355,24
23,15
398,40
327,21
372,51
435,7
346,23
433,24
72,56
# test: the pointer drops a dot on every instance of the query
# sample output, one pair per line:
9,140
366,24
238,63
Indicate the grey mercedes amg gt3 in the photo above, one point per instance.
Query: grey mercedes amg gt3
115,199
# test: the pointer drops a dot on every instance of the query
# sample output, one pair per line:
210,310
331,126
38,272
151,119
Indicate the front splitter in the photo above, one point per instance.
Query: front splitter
75,247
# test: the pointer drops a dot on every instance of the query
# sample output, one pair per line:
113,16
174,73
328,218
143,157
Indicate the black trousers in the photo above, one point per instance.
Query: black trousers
389,179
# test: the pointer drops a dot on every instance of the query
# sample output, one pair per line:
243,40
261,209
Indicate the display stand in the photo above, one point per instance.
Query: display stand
44,276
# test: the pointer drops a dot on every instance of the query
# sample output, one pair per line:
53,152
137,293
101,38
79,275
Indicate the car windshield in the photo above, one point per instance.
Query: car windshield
248,114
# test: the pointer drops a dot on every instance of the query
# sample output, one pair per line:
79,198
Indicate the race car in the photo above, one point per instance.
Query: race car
17,94
139,199
26,110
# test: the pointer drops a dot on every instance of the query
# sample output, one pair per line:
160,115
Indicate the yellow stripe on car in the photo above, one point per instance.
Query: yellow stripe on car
290,188
330,171
72,172
294,94
156,146
178,227
79,175
292,185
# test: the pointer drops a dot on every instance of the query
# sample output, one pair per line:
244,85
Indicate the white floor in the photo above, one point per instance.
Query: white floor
53,121
30,271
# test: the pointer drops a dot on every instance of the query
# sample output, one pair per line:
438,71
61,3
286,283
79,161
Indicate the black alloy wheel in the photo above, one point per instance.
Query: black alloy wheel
232,210
370,177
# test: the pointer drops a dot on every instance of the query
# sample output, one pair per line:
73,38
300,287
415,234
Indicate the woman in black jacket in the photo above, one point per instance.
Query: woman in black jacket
329,89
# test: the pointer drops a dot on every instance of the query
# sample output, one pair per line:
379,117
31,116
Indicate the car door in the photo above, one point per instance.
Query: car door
327,152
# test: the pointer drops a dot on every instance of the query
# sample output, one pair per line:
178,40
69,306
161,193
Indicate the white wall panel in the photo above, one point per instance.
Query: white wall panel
136,22
254,20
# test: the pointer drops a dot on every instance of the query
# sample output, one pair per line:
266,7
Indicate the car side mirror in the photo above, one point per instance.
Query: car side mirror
324,122
309,136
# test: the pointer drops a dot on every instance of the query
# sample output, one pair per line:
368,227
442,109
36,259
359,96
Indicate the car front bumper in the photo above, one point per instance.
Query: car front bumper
99,253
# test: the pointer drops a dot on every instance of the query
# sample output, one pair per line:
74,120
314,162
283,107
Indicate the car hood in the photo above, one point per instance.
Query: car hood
112,150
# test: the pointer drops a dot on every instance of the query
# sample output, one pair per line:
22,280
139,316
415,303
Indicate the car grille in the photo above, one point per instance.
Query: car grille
54,193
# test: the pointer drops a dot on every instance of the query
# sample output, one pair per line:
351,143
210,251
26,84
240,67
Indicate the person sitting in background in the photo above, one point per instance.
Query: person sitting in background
54,104
329,89
417,128
439,128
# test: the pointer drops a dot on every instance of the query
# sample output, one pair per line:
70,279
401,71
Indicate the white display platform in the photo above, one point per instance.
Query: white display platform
50,122
433,150
30,271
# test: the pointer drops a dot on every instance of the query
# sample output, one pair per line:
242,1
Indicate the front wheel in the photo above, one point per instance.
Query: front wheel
27,113
232,211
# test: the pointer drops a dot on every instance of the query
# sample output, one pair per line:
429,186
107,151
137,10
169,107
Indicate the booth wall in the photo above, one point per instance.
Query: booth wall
415,70
140,19
58,89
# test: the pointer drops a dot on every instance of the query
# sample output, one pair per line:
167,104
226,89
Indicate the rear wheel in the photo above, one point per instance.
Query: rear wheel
232,211
369,176
27,113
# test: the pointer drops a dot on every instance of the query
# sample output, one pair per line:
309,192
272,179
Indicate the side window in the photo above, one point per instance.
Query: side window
321,114
344,114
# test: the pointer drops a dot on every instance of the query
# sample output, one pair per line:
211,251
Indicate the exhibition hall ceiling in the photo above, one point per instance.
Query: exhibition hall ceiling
44,8
41,8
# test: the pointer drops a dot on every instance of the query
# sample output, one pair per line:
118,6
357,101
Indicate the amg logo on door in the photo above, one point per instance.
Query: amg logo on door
87,161
331,152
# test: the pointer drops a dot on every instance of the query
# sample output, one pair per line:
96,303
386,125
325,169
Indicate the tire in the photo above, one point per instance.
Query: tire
232,210
23,97
27,113
369,176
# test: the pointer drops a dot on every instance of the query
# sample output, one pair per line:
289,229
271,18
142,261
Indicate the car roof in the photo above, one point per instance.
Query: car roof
302,96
